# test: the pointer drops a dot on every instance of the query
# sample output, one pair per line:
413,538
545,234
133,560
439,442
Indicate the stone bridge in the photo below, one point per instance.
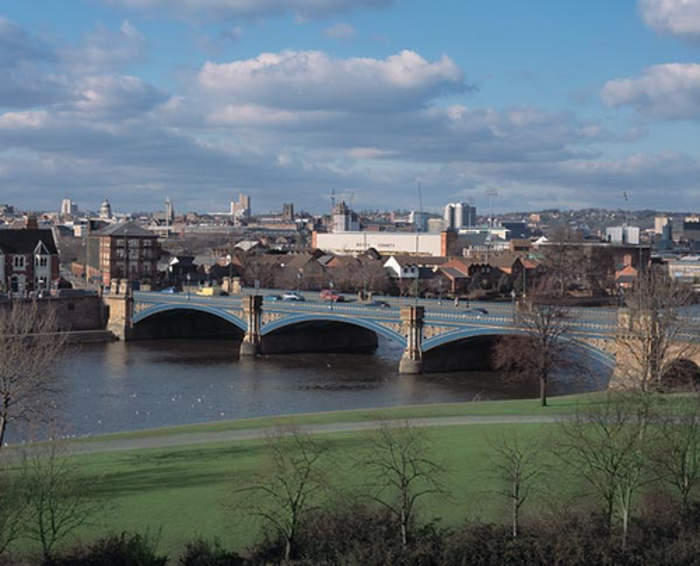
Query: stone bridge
417,329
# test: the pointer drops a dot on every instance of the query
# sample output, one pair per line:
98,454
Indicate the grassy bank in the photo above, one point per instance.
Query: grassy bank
182,492
557,406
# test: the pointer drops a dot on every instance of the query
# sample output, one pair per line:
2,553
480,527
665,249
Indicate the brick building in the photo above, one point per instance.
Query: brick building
123,250
28,260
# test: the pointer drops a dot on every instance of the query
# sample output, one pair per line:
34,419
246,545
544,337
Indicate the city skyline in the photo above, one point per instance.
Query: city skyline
287,100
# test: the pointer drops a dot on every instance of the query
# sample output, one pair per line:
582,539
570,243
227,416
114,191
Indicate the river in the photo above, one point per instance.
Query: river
122,386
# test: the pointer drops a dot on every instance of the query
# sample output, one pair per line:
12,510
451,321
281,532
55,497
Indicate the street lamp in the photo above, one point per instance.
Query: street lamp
188,285
330,303
230,273
298,280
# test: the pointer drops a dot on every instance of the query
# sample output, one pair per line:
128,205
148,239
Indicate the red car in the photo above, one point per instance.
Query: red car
330,295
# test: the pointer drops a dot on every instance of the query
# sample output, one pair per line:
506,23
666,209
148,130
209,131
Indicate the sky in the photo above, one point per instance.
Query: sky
542,104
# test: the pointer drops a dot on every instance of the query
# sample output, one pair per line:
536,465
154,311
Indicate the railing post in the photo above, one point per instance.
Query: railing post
412,322
252,309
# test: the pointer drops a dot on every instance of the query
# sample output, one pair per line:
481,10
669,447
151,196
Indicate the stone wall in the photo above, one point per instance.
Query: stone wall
74,313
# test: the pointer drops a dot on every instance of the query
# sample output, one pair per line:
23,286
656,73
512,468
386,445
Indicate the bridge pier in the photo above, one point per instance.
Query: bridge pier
120,302
252,309
412,321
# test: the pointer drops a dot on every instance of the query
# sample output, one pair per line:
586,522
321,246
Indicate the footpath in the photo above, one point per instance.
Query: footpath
176,439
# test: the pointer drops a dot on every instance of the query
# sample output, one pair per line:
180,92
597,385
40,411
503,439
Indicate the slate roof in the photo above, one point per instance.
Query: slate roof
24,241
124,229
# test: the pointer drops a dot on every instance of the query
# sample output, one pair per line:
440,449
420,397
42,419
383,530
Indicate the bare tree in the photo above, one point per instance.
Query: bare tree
654,339
289,485
520,466
542,345
607,445
402,471
30,349
11,510
563,261
676,454
56,500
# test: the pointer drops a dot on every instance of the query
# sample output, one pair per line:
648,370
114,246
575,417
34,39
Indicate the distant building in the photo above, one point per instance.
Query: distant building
517,230
659,223
240,209
414,243
459,215
28,260
343,219
419,220
686,269
105,210
622,235
436,225
68,207
123,250
288,212
169,212
691,228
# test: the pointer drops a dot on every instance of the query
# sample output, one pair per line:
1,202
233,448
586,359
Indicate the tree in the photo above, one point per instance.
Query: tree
289,484
519,466
541,345
29,350
675,457
607,444
11,510
654,339
563,260
56,500
402,472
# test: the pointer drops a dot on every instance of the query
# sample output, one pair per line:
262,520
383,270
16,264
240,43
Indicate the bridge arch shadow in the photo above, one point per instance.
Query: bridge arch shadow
597,364
317,332
187,321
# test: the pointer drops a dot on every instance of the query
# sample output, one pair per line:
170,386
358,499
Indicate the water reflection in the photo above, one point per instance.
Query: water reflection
117,386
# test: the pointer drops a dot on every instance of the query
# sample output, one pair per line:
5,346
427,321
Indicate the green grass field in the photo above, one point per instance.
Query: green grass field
182,492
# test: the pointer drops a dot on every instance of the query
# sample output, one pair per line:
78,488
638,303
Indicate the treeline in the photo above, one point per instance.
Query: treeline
632,461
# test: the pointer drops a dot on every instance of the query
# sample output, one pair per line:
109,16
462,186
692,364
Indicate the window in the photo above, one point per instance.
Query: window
147,243
18,262
41,261
133,243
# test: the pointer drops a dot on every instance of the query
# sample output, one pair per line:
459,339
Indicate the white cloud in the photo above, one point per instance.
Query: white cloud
105,49
21,120
116,94
677,17
341,30
252,8
666,91
313,80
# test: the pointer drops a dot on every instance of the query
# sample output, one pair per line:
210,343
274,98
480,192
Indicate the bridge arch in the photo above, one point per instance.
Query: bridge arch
162,308
332,317
601,356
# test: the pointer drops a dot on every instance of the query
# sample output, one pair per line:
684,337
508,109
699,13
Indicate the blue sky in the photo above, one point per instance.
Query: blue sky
552,103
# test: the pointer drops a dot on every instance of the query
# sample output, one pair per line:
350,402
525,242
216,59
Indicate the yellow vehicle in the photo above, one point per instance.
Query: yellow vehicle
210,291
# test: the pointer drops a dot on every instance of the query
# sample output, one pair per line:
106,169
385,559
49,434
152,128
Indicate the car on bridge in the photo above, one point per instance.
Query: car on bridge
273,298
170,290
331,295
379,304
292,296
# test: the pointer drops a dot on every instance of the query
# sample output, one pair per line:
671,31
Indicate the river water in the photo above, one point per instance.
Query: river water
122,386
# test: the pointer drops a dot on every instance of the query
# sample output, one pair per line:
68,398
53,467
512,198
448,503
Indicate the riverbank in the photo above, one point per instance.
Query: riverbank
176,481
